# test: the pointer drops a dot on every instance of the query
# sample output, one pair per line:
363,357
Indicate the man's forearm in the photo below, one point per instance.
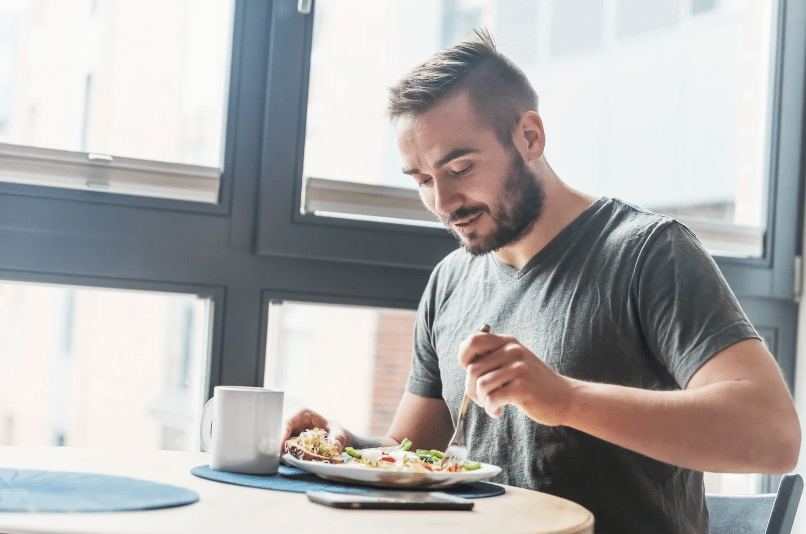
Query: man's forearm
730,426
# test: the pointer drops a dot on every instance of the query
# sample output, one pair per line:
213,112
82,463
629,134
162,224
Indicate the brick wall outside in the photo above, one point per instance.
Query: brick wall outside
393,346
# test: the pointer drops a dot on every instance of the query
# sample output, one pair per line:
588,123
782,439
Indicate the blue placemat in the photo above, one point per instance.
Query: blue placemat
299,481
65,491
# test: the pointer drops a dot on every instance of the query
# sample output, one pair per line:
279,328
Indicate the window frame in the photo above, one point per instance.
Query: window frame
773,274
103,173
282,229
92,168
215,294
84,238
268,296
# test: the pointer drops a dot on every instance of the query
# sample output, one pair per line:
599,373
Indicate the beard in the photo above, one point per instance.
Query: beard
514,215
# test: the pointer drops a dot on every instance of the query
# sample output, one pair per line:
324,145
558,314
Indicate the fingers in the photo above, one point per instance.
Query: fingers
510,392
497,378
493,364
480,344
337,435
483,365
304,419
525,382
492,389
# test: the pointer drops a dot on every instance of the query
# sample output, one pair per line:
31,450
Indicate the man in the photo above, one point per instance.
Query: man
619,366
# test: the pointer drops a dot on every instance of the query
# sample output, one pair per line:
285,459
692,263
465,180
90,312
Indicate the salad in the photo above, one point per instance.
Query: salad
402,459
313,445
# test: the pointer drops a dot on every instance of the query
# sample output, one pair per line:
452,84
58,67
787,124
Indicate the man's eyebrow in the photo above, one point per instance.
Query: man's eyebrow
447,158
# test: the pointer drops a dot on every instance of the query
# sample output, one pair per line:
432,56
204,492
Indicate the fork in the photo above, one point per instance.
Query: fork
457,451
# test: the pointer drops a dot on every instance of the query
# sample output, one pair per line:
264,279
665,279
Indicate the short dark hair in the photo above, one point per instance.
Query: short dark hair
499,91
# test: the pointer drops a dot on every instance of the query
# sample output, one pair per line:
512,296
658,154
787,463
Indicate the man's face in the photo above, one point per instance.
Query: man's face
481,190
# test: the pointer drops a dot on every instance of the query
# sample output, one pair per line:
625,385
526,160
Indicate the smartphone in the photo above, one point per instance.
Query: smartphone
392,500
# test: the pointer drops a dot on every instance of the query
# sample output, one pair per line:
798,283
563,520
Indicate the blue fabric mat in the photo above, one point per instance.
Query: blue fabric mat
65,491
298,481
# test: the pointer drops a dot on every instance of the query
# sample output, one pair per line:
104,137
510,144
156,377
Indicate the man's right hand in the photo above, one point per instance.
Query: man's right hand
306,419
426,422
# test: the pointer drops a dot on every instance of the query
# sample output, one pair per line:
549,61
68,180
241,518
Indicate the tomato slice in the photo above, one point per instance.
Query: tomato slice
388,459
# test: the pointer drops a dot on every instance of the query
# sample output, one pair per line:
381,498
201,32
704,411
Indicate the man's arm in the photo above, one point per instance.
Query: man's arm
426,422
735,415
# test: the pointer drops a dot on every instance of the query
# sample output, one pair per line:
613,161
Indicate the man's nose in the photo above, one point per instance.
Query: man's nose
447,197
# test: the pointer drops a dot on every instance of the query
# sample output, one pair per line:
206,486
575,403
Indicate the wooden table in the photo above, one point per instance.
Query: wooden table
227,508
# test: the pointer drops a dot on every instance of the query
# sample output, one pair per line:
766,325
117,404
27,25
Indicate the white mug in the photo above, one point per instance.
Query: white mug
241,429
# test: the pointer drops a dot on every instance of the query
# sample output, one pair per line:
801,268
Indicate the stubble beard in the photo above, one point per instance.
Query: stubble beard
515,214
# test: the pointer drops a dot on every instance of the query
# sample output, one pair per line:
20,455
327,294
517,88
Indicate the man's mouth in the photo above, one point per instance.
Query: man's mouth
463,226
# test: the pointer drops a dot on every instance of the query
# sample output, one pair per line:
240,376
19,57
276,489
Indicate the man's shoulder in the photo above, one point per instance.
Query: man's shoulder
457,270
628,214
637,235
449,281
626,222
457,265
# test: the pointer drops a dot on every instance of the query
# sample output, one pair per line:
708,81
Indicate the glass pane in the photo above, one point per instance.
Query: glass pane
349,363
733,483
143,79
88,367
665,104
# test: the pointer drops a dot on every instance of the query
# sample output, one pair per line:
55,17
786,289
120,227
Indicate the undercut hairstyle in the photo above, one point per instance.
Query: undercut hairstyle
499,91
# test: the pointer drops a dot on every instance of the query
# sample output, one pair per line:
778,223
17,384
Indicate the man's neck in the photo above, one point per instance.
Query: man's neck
561,206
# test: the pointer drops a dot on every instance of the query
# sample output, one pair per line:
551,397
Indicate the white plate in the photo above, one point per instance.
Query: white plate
358,474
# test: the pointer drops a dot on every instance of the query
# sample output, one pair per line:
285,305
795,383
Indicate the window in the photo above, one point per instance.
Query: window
129,97
576,27
702,6
101,368
639,102
734,483
352,359
256,246
635,17
655,104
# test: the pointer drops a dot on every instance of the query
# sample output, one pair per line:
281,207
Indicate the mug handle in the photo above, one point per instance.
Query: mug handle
206,427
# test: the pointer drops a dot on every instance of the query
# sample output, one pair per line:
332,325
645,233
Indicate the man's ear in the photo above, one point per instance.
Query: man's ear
529,136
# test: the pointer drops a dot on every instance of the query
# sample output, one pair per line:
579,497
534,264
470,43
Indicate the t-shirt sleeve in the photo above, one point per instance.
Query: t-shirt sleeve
687,309
424,379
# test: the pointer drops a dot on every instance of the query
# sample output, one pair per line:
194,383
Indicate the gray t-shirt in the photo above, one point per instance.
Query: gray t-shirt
620,296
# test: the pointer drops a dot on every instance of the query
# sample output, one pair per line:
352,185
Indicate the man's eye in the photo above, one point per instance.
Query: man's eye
463,172
423,182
